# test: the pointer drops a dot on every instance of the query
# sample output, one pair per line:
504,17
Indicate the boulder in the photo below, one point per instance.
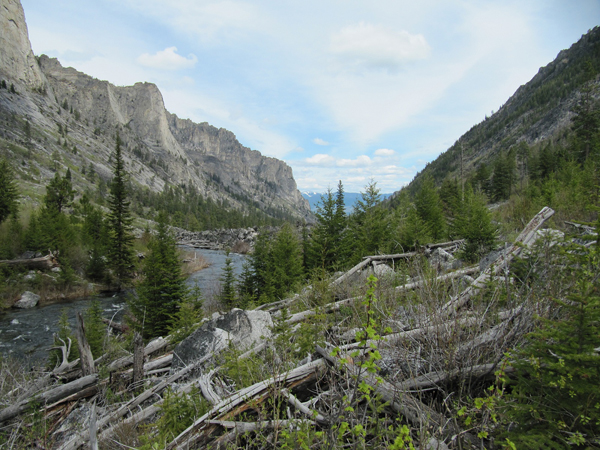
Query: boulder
382,270
28,300
242,329
441,260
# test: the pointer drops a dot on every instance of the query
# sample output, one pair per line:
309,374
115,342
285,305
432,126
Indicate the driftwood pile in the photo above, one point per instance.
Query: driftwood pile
413,368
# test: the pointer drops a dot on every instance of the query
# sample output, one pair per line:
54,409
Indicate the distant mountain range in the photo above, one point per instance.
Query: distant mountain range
350,199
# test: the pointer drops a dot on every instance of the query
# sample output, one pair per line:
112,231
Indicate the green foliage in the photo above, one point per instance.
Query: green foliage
327,248
59,193
429,209
555,400
276,266
228,295
162,287
474,223
178,411
120,239
187,318
369,230
95,330
8,191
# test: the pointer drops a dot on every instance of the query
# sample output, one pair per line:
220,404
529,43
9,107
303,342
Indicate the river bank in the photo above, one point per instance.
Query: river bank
28,334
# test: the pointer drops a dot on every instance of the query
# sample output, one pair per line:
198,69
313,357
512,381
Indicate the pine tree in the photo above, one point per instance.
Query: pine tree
59,192
228,295
323,251
555,401
95,328
368,223
429,208
119,223
286,260
162,288
8,191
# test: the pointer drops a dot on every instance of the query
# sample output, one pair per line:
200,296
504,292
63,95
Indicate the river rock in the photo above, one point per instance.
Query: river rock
242,329
28,300
382,270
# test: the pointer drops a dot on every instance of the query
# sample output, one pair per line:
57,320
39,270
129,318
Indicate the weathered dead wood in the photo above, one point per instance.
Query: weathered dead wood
138,358
93,428
152,347
455,243
150,366
44,263
79,439
448,276
292,400
526,236
85,353
391,257
240,401
84,393
50,396
121,328
207,390
415,411
300,316
361,265
228,439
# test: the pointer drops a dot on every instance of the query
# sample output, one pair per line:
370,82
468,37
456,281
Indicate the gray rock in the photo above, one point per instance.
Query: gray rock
28,300
242,329
434,444
30,276
441,260
382,270
56,270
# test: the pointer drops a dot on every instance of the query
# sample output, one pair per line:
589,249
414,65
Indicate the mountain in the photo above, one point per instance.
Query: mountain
53,118
538,113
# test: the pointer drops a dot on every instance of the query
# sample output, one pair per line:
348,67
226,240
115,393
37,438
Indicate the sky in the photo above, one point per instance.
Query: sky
348,90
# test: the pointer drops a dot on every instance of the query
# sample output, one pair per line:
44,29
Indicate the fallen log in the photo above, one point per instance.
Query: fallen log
85,352
292,400
449,276
50,396
352,271
300,316
240,401
526,236
415,411
152,347
44,263
79,439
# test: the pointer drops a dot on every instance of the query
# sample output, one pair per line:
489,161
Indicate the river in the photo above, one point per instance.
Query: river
28,334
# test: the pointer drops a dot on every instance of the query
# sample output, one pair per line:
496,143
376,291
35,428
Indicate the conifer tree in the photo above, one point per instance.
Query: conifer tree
368,223
59,192
555,401
228,295
323,251
119,223
286,260
8,191
162,288
429,208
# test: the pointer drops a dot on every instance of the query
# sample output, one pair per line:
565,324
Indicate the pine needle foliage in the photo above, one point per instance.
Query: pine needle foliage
120,247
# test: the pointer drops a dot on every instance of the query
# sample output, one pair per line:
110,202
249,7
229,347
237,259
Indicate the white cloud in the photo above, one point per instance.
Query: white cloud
320,141
362,160
374,46
320,159
167,59
384,152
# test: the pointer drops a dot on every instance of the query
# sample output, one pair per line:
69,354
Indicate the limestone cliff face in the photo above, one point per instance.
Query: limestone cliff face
245,171
76,117
17,61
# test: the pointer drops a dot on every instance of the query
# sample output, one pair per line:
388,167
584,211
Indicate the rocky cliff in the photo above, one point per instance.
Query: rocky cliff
59,117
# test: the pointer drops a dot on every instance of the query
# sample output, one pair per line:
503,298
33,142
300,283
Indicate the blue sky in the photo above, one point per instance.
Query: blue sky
339,89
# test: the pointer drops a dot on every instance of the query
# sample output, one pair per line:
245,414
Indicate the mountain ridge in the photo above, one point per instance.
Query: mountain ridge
61,115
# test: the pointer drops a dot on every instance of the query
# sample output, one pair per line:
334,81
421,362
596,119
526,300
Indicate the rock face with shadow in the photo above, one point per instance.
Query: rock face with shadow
242,329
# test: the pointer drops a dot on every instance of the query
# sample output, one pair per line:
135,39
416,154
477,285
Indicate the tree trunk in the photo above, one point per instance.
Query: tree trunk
138,358
85,353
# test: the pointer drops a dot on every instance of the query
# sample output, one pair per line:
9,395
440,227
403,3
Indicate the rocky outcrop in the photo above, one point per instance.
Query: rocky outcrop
72,120
17,61
239,328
